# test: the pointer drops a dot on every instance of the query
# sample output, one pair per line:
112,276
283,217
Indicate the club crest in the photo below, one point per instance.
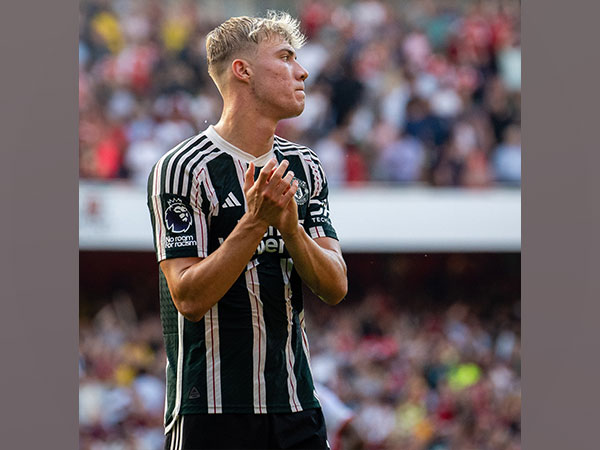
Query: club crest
301,195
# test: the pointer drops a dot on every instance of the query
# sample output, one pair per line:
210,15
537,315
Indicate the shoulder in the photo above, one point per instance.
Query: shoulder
175,168
313,168
289,147
184,146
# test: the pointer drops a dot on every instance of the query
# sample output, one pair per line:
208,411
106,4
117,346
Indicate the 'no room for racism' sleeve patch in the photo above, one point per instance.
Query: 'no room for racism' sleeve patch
179,228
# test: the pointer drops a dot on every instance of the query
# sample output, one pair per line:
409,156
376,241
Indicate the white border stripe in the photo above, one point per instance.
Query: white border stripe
240,168
201,230
304,165
179,364
259,340
186,175
156,190
166,392
157,204
286,270
203,175
213,361
305,345
310,157
306,348
181,163
174,435
181,434
183,149
158,215
178,386
176,446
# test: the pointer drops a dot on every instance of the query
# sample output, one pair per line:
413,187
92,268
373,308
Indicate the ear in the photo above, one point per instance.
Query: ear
241,69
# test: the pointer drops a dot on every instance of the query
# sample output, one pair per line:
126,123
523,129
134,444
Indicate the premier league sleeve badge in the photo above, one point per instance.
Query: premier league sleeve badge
177,217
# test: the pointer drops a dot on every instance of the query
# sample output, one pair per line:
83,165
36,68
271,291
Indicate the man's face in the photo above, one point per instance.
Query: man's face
278,79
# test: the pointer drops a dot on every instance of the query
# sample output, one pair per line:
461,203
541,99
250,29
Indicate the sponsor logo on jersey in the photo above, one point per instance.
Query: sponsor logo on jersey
272,242
301,195
323,208
177,217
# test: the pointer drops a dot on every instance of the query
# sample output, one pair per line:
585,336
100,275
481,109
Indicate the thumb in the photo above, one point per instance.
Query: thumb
249,177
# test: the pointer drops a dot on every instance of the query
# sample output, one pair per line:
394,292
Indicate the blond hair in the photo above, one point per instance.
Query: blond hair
238,34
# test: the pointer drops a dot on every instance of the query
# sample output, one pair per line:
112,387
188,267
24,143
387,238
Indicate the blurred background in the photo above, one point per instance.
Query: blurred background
414,110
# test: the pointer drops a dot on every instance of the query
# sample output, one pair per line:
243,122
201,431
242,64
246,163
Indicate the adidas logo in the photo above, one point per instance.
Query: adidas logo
231,201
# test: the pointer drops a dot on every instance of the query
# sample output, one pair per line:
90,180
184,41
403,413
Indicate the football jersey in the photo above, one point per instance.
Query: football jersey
250,352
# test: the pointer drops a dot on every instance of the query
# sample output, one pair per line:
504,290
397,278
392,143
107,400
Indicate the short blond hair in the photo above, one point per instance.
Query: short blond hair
244,33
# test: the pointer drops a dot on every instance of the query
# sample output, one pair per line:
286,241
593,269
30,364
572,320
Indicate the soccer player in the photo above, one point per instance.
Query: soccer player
240,219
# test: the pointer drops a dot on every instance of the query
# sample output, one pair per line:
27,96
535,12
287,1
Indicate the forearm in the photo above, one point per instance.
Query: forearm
323,270
200,286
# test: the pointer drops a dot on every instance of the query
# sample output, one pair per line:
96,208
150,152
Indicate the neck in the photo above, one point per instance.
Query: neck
245,128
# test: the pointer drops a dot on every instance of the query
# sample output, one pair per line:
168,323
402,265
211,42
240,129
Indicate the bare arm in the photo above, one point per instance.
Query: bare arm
320,264
196,284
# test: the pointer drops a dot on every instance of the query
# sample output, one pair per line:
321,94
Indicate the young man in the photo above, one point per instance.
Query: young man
240,219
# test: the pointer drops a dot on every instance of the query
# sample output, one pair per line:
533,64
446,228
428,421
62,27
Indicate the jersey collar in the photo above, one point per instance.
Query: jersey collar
212,134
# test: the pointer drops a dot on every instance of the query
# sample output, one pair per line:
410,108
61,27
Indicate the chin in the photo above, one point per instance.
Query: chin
292,112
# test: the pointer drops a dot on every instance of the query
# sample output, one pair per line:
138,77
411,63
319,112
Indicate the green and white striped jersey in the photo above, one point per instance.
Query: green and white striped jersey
250,353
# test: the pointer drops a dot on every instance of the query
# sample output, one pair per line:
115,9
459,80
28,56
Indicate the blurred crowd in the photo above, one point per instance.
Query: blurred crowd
414,92
431,379
121,380
427,380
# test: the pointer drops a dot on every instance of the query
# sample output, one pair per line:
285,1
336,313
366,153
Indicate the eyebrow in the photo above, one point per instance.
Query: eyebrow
287,50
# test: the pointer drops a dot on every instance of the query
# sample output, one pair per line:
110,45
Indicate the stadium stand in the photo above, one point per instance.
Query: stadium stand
416,92
401,96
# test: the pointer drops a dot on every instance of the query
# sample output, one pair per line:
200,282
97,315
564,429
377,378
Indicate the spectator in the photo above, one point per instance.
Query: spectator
420,68
507,157
413,373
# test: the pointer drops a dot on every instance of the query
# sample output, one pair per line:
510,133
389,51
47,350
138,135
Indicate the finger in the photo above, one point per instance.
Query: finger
249,177
282,186
278,174
265,172
271,174
291,192
287,181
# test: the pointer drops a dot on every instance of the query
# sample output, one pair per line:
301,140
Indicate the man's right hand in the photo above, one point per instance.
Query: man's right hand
268,196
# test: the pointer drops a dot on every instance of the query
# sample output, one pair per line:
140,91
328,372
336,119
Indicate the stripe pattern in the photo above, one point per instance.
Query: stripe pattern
268,368
177,434
310,160
316,232
213,361
259,339
286,270
172,174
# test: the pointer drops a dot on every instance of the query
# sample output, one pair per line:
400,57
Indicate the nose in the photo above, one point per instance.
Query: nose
303,73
